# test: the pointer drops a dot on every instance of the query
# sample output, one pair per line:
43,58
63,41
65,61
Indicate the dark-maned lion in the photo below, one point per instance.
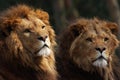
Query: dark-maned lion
86,51
26,45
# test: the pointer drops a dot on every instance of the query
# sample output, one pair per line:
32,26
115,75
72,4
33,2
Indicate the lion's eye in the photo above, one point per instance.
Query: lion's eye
106,39
89,39
27,31
43,27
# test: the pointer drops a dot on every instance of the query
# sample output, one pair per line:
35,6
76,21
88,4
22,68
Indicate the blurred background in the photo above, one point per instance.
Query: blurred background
62,12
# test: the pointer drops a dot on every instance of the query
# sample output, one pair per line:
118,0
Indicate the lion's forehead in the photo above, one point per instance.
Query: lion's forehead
34,24
95,34
36,20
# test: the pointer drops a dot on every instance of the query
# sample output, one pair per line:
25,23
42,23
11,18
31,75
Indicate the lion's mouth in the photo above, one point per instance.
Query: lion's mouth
100,58
43,51
100,62
45,45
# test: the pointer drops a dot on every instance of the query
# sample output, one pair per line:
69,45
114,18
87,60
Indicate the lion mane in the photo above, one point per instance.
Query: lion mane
86,51
27,44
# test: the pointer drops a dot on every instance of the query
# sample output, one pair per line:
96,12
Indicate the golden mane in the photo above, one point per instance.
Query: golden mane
86,51
22,30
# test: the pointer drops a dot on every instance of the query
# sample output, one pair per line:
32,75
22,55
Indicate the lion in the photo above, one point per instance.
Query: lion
27,43
86,51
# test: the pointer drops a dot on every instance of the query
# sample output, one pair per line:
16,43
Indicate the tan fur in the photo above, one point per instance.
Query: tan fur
79,51
20,30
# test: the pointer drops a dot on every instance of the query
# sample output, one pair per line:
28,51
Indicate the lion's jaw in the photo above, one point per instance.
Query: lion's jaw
44,49
101,60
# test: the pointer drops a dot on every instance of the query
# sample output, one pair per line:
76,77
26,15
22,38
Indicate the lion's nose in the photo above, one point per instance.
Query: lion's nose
100,49
42,38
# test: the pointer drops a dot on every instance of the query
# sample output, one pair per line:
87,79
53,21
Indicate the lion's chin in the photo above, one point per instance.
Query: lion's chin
101,63
45,51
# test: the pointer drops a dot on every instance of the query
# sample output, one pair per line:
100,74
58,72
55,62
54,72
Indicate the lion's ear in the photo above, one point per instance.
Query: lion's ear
44,16
113,27
7,26
4,32
77,29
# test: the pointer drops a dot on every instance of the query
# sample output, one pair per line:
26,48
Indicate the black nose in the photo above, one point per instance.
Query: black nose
100,49
42,38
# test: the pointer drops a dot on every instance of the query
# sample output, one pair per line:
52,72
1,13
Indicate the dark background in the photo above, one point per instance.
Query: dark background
63,11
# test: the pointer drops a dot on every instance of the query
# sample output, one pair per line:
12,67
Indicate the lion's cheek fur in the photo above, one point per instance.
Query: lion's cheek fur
13,42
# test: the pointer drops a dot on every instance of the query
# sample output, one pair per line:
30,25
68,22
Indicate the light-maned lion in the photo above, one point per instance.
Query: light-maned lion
26,45
86,51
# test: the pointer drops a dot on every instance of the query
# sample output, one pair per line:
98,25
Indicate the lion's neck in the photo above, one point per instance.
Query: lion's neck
92,74
47,66
105,73
44,71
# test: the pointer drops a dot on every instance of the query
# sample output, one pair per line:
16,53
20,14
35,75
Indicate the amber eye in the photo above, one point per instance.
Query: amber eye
89,39
43,27
106,39
27,31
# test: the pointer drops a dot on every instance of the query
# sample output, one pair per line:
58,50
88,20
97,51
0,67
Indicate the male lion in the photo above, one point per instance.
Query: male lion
86,51
26,45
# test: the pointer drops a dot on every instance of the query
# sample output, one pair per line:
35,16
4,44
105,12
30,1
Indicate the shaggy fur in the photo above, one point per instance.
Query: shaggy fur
86,51
26,45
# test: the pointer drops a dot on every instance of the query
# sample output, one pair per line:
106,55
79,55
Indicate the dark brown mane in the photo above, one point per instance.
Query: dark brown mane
22,12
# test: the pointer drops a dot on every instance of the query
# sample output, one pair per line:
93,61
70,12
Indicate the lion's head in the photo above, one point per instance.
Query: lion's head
26,37
90,43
